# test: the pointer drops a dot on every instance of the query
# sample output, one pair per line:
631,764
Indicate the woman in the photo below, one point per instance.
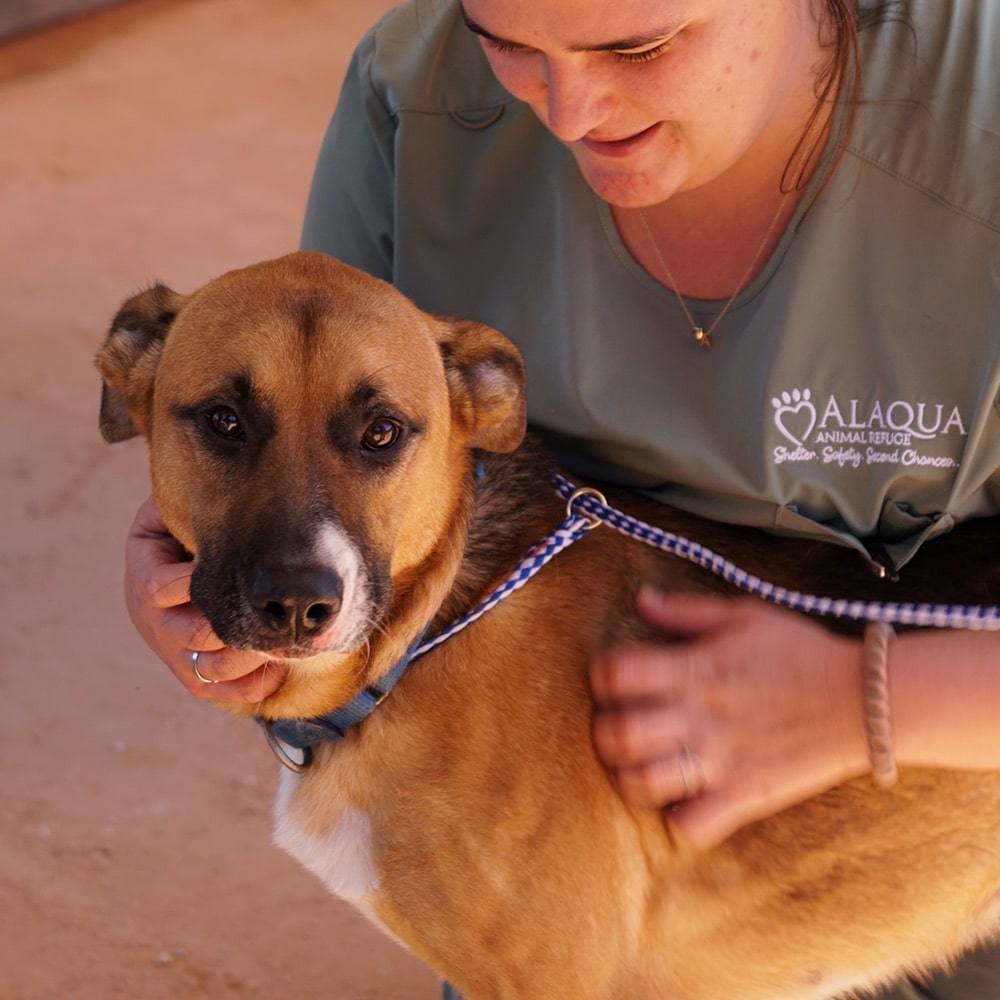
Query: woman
750,253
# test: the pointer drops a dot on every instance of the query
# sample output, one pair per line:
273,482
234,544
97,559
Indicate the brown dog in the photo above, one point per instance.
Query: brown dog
346,469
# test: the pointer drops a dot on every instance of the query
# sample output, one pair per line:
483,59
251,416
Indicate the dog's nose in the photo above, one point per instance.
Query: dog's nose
296,603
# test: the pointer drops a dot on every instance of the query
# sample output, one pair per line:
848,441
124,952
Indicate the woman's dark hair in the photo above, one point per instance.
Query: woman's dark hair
843,21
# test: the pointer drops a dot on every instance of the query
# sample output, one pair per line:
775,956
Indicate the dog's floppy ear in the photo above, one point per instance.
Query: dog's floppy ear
127,361
486,379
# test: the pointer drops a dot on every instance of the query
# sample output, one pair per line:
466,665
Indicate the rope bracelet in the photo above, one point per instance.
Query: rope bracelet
875,675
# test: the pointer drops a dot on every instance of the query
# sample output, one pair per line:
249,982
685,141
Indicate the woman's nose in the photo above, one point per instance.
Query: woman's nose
576,99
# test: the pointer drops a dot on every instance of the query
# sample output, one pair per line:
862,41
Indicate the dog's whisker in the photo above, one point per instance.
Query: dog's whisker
377,626
202,636
366,652
265,670
387,367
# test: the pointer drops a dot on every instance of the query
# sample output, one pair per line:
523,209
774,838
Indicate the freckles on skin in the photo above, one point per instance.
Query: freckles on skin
727,88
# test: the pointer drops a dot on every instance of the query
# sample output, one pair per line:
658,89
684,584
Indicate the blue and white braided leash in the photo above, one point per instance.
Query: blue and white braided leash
574,527
586,509
973,617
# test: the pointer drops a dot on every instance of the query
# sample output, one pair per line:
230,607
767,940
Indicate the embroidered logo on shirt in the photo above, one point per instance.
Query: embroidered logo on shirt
848,432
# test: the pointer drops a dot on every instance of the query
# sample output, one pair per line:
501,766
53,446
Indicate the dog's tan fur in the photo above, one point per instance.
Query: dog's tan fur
469,815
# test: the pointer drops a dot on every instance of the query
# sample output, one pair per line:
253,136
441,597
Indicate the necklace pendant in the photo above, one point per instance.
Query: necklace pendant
701,337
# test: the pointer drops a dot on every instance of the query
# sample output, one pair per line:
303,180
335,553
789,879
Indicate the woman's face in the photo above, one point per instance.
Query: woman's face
655,97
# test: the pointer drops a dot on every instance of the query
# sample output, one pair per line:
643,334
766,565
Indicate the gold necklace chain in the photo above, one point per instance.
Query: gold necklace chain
704,337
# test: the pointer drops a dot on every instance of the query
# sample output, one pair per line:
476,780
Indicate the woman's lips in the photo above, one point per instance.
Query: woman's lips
620,147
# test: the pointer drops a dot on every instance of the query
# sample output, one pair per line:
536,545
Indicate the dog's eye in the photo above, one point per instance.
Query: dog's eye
225,423
380,435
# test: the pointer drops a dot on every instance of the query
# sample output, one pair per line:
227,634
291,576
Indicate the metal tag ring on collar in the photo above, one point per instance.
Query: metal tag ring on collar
591,521
281,751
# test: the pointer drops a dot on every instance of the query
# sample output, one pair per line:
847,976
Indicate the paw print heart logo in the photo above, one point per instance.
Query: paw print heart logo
795,415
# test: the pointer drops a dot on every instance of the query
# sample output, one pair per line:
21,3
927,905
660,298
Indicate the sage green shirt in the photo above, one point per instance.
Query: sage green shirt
851,390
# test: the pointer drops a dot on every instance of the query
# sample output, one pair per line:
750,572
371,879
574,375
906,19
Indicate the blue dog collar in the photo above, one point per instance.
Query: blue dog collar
303,734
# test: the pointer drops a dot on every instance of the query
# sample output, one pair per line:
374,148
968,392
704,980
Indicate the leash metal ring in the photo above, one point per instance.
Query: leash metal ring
591,520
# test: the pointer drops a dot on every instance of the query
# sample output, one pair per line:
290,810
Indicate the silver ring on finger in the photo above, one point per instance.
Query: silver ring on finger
692,770
195,653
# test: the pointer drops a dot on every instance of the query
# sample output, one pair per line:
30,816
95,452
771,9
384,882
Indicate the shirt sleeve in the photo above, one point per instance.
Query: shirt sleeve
349,212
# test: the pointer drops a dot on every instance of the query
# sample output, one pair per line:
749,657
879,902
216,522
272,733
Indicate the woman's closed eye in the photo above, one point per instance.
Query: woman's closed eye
639,54
644,53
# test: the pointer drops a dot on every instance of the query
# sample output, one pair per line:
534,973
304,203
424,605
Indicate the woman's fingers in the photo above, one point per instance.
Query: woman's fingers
231,675
157,594
742,710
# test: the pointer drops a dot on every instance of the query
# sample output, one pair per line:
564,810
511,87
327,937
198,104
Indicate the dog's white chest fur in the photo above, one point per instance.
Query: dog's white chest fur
342,856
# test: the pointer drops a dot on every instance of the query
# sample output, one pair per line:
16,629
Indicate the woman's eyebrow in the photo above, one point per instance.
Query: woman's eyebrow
621,45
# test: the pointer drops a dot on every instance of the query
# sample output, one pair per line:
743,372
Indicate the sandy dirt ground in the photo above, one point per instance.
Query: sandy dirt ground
172,141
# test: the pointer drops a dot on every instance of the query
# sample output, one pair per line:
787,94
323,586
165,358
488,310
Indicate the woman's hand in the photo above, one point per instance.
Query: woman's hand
746,711
157,593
